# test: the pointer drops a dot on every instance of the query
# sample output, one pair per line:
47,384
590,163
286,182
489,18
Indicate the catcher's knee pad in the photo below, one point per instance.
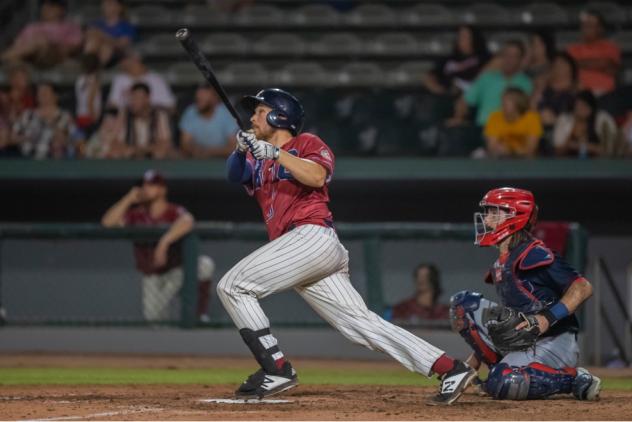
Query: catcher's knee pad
534,381
462,304
206,267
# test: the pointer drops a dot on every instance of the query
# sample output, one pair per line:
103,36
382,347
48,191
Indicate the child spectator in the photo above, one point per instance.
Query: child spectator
587,132
49,41
208,129
47,131
514,130
109,36
598,58
456,72
88,94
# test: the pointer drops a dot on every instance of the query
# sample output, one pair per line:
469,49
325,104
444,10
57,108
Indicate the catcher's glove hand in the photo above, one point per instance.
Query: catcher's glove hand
501,325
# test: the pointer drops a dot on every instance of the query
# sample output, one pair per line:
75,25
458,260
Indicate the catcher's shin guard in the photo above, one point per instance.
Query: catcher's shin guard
462,306
534,381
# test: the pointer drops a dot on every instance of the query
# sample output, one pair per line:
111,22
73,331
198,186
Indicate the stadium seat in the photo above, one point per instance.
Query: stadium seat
259,15
336,44
184,74
543,14
496,40
202,15
315,15
396,43
245,74
611,11
286,44
87,14
360,74
160,45
151,16
564,38
408,73
624,39
371,15
487,14
427,15
226,43
302,74
437,45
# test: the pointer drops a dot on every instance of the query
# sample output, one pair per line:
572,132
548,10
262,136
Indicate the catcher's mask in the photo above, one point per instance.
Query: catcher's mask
519,211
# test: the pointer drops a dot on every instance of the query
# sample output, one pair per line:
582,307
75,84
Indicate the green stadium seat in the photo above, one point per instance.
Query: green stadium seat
487,14
395,43
340,43
202,15
315,15
409,73
184,74
252,74
163,44
360,74
151,16
611,11
226,43
286,44
371,15
543,14
259,15
427,15
302,74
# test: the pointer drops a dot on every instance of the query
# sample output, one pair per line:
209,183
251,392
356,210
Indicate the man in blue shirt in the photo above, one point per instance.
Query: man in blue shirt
207,128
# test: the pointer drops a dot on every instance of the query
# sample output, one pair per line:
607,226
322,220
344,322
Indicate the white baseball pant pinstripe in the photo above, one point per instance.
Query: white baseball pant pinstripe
312,260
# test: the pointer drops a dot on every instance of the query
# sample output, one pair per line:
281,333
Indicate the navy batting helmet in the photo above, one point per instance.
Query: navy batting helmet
287,112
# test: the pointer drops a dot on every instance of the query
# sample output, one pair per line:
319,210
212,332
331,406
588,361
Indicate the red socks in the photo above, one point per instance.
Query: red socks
443,364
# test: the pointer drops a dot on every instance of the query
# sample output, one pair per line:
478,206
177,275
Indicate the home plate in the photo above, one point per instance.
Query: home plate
245,401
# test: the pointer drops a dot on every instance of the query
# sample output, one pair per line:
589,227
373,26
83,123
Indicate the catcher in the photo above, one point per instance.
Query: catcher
530,342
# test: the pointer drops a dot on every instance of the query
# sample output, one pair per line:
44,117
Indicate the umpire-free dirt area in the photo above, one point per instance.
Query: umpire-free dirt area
58,402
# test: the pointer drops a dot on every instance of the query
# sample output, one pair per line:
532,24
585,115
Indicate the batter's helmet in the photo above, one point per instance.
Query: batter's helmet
287,112
521,210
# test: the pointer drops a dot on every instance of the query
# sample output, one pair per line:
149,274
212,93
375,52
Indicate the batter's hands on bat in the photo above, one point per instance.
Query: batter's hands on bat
245,140
263,150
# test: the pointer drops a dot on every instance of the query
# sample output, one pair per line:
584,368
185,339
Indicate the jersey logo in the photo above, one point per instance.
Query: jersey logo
325,154
283,173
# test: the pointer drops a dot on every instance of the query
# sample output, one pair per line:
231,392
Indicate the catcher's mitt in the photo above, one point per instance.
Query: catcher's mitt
501,325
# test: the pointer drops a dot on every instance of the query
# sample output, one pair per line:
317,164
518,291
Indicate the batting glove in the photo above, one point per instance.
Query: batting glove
245,141
263,150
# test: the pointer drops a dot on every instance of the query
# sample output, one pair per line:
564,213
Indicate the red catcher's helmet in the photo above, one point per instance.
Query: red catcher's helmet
520,212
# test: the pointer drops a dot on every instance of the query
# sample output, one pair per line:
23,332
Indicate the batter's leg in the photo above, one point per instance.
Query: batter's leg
336,300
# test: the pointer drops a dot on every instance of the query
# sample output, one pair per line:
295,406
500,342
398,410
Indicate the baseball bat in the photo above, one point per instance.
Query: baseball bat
201,62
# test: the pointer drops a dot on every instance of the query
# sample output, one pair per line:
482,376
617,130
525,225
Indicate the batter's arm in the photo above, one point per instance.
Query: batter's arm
305,171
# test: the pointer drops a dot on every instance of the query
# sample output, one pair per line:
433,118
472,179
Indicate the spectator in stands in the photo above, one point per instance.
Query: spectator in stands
539,56
587,132
557,95
146,130
88,94
598,58
103,142
207,128
13,102
133,71
46,131
48,41
514,130
424,302
455,73
160,262
486,91
109,36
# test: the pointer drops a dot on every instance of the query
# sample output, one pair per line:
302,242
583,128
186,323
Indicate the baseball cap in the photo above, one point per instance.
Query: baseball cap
154,177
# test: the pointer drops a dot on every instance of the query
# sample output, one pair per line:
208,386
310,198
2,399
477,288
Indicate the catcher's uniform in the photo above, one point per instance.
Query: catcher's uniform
529,279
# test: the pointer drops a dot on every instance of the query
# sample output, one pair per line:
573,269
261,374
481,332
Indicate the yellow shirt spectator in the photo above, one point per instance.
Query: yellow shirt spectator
513,130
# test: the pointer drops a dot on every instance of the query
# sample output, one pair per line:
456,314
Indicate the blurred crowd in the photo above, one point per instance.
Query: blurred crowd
527,100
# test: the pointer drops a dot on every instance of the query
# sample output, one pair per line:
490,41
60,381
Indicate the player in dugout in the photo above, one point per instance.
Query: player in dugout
160,262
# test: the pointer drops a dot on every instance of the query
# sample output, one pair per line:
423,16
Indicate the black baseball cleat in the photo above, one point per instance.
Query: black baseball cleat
453,384
261,384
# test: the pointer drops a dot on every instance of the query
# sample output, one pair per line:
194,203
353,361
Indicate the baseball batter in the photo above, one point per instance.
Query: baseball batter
288,172
531,279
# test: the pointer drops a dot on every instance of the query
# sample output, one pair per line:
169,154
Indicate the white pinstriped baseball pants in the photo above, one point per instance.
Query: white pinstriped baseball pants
312,260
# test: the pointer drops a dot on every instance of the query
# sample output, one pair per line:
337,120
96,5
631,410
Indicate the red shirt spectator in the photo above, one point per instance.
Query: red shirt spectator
423,304
598,58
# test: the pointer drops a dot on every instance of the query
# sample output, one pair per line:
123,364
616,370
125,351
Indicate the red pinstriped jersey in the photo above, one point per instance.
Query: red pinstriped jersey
286,203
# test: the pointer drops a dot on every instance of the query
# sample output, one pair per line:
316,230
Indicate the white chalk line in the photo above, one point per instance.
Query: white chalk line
245,401
96,415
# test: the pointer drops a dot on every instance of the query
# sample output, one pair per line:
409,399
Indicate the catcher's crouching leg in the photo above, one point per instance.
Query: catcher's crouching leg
462,308
534,381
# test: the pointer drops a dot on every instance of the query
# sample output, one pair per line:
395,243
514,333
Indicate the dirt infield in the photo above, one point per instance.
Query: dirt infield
308,402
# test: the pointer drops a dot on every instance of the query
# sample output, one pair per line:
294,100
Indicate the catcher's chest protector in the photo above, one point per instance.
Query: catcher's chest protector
515,284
